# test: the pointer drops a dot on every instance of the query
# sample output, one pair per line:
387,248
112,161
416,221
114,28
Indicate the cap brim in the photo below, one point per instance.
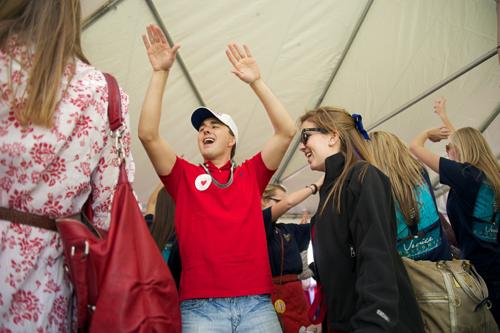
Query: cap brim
199,115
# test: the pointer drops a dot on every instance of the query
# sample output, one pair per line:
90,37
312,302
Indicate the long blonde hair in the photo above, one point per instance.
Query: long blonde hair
393,157
473,148
352,145
50,32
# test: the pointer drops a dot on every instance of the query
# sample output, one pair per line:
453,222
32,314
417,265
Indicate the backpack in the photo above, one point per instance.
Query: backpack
485,217
419,239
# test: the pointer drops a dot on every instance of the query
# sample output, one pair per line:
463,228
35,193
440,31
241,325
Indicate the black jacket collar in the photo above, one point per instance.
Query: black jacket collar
334,165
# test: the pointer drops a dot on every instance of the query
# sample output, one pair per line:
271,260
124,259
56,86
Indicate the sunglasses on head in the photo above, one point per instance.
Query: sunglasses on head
304,134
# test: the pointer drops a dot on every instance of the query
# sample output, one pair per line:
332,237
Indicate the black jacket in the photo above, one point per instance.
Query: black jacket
362,276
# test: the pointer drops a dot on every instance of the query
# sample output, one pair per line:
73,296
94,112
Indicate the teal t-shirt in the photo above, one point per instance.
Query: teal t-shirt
425,239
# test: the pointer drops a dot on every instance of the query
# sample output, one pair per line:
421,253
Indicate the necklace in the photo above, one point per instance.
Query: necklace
219,185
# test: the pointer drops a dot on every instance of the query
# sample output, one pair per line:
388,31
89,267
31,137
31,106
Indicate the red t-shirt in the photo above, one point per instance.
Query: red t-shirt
220,231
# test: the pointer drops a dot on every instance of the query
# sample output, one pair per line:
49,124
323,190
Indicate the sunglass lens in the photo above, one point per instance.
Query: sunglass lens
304,137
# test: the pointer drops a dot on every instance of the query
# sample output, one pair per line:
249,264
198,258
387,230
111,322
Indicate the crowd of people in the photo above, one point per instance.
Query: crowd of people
237,268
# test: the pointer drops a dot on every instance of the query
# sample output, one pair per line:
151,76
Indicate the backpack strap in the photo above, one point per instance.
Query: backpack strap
423,232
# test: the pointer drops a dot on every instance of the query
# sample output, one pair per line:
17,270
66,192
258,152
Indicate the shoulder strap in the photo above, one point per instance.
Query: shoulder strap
425,175
115,121
114,103
424,231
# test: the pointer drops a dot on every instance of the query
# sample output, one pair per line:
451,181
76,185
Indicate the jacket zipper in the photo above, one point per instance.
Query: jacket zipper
432,299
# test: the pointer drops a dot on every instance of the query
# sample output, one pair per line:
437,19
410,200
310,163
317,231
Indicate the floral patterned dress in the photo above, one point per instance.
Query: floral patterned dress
50,172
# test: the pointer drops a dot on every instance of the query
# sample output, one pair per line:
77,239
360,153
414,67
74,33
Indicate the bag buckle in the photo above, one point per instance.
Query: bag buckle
120,149
486,302
86,249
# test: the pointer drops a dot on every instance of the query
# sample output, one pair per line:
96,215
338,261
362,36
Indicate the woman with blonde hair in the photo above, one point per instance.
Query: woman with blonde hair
363,281
473,174
419,236
56,148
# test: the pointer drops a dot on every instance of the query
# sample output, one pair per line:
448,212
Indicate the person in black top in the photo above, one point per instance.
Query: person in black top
473,174
364,283
285,242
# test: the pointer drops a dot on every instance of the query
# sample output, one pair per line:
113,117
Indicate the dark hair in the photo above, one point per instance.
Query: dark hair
162,228
233,149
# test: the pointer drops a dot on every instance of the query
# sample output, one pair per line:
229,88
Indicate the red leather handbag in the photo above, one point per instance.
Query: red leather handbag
121,281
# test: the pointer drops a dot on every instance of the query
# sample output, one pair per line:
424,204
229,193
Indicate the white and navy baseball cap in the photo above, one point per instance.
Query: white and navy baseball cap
202,113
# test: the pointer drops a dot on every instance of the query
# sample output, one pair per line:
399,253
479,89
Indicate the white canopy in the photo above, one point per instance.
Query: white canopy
376,58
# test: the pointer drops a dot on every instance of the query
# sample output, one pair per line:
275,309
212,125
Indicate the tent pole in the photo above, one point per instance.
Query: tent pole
296,140
113,3
423,95
100,12
434,88
490,119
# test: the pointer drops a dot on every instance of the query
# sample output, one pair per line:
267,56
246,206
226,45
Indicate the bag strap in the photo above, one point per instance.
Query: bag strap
114,103
282,263
473,278
425,175
116,121
115,118
78,265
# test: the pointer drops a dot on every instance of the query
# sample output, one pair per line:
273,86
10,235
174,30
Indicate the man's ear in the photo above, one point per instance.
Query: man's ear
232,141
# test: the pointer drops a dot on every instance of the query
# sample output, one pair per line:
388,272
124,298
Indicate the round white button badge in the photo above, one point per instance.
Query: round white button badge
202,182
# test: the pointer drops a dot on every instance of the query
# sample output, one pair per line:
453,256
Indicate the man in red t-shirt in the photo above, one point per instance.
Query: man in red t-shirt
226,278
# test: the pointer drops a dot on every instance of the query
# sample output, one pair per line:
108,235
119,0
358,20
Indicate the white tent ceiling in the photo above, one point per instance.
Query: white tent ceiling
402,51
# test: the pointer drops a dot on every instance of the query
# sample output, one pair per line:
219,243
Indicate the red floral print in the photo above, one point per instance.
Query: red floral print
42,153
25,306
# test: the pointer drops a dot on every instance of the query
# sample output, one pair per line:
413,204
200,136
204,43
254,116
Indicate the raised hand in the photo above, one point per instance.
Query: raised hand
160,54
244,65
438,134
440,110
440,107
305,217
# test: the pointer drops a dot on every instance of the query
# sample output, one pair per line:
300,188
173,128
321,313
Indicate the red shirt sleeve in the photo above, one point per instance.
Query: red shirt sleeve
172,180
262,173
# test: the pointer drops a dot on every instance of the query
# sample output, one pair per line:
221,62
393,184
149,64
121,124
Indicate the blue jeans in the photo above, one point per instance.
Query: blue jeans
229,315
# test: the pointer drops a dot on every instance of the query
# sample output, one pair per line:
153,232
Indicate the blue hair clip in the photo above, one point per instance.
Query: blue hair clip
358,122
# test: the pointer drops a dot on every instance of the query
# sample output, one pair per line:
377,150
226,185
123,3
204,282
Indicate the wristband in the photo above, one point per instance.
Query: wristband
313,187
